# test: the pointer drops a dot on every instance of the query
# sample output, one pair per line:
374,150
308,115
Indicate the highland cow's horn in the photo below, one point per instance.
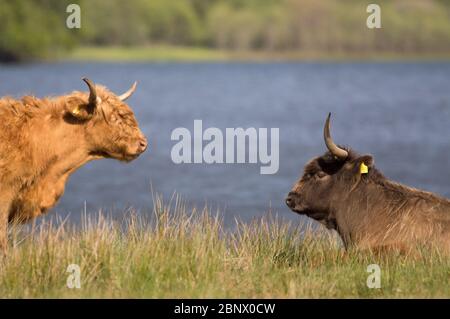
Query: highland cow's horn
128,93
333,148
92,92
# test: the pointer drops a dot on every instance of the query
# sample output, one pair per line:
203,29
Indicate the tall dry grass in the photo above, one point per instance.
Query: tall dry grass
178,252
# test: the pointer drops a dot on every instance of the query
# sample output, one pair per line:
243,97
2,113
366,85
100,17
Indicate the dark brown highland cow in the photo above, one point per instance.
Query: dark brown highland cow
345,192
43,141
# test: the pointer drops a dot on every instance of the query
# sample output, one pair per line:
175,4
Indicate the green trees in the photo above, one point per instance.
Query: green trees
36,29
330,25
33,29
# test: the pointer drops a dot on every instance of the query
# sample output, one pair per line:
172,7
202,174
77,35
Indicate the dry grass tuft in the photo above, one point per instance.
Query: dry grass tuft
187,253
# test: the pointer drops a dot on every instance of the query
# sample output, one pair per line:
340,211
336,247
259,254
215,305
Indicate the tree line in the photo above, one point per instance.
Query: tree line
37,28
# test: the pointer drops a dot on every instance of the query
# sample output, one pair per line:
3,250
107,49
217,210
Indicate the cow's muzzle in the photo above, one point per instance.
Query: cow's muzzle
143,144
290,200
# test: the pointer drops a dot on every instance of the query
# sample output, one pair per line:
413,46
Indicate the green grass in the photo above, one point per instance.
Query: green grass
181,253
145,53
162,53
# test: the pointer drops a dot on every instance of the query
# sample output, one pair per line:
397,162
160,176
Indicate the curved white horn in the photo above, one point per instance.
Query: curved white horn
128,93
93,99
333,148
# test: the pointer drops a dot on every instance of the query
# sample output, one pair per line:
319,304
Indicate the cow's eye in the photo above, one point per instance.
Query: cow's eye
321,174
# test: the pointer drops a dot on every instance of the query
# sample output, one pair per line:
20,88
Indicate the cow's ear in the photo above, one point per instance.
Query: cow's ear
364,164
79,109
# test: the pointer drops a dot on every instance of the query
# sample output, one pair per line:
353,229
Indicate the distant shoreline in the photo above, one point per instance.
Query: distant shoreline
162,53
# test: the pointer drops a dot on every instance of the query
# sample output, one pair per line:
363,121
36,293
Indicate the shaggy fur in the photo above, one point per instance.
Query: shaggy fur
43,141
368,210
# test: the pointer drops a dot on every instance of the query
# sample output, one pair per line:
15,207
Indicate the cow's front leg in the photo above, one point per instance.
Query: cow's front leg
4,210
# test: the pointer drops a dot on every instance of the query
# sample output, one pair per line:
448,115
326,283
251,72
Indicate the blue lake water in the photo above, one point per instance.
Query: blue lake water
398,112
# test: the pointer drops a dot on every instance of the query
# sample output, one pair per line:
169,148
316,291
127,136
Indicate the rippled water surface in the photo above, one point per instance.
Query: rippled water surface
398,112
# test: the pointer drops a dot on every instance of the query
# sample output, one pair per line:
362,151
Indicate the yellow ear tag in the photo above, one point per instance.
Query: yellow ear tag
76,111
363,169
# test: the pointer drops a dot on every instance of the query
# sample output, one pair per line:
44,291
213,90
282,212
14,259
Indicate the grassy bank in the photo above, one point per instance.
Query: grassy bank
143,53
195,54
188,254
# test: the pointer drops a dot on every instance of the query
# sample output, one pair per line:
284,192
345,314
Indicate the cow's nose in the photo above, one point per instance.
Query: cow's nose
143,144
290,200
